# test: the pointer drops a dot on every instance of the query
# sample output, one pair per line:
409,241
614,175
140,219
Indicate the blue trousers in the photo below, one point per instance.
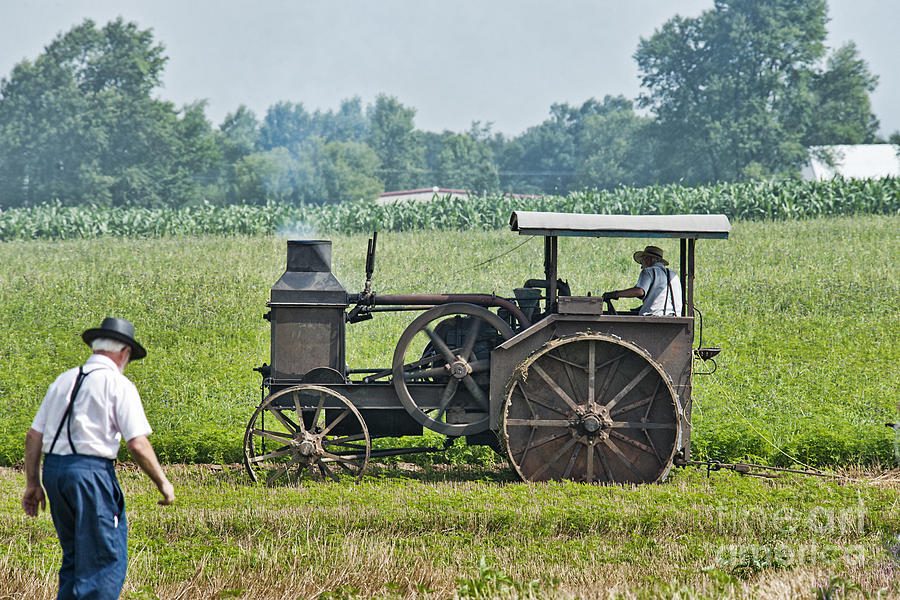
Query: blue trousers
88,511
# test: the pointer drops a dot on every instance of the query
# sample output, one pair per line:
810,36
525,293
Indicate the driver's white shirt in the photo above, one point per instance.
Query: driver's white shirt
657,298
108,408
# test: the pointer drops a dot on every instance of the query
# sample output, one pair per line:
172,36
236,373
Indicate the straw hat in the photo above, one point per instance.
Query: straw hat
651,251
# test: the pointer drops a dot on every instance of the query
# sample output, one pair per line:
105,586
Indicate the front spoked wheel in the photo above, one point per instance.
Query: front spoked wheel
306,432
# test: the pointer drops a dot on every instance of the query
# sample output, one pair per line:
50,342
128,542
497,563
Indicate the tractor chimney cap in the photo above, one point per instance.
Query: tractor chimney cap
309,256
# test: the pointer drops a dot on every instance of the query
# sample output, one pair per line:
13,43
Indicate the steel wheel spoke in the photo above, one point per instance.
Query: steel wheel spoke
469,344
299,410
556,457
426,360
610,375
572,462
315,419
605,463
590,464
282,470
624,409
283,451
341,459
629,386
439,343
634,443
553,386
537,423
446,396
528,444
476,392
565,362
531,401
272,435
640,425
592,371
480,366
542,442
336,421
326,471
652,398
287,422
653,446
342,441
615,450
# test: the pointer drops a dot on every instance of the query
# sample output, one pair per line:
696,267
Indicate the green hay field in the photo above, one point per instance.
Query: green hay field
807,313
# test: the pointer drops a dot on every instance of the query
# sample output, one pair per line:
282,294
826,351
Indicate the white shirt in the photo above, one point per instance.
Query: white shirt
656,291
107,408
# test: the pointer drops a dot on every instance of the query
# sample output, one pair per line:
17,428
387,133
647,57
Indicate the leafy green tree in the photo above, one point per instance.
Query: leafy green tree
395,142
467,163
285,124
551,157
79,125
237,138
737,90
610,148
431,143
239,133
350,172
347,124
276,175
545,153
842,111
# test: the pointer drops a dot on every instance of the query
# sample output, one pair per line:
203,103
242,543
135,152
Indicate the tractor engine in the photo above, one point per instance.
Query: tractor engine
307,314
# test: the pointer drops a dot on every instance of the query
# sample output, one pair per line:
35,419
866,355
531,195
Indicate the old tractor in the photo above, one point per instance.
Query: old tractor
562,385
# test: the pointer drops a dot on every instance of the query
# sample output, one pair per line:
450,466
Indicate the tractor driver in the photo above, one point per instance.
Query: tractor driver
658,285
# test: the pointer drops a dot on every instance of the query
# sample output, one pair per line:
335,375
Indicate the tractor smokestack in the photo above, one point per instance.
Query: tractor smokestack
309,255
307,313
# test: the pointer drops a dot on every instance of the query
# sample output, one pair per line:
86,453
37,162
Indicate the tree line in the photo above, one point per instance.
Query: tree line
737,93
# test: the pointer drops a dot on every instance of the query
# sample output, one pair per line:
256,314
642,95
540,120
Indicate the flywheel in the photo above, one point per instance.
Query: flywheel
591,408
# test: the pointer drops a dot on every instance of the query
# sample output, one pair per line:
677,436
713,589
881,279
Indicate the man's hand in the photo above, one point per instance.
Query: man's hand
168,493
145,457
32,498
610,296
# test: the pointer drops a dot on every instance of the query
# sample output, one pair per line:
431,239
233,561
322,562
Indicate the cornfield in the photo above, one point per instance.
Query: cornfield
740,201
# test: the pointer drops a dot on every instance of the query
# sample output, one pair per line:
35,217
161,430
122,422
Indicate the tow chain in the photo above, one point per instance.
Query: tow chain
747,469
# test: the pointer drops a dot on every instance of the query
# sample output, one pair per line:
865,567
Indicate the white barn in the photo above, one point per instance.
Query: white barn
862,161
421,195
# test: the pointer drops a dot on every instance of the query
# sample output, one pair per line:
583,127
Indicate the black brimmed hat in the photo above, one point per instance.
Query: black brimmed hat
116,329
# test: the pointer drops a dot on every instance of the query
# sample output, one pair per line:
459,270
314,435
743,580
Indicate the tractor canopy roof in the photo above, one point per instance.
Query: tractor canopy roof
640,226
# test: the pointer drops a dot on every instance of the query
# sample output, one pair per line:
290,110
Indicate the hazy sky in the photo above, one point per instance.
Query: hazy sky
455,61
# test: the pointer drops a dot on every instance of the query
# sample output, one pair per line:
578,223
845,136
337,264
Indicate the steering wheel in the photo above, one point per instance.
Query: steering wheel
610,309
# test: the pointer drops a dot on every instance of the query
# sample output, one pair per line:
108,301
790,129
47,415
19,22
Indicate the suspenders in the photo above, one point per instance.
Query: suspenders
66,419
669,291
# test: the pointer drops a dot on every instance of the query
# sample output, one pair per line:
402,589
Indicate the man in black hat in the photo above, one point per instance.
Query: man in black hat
657,285
78,428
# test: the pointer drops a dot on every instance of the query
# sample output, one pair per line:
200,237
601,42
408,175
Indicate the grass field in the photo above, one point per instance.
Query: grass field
805,310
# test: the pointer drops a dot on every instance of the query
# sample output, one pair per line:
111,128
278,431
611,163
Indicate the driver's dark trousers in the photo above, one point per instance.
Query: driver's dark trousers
88,511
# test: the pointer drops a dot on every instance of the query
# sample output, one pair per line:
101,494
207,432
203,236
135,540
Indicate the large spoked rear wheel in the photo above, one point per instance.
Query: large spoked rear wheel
306,431
449,345
591,408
